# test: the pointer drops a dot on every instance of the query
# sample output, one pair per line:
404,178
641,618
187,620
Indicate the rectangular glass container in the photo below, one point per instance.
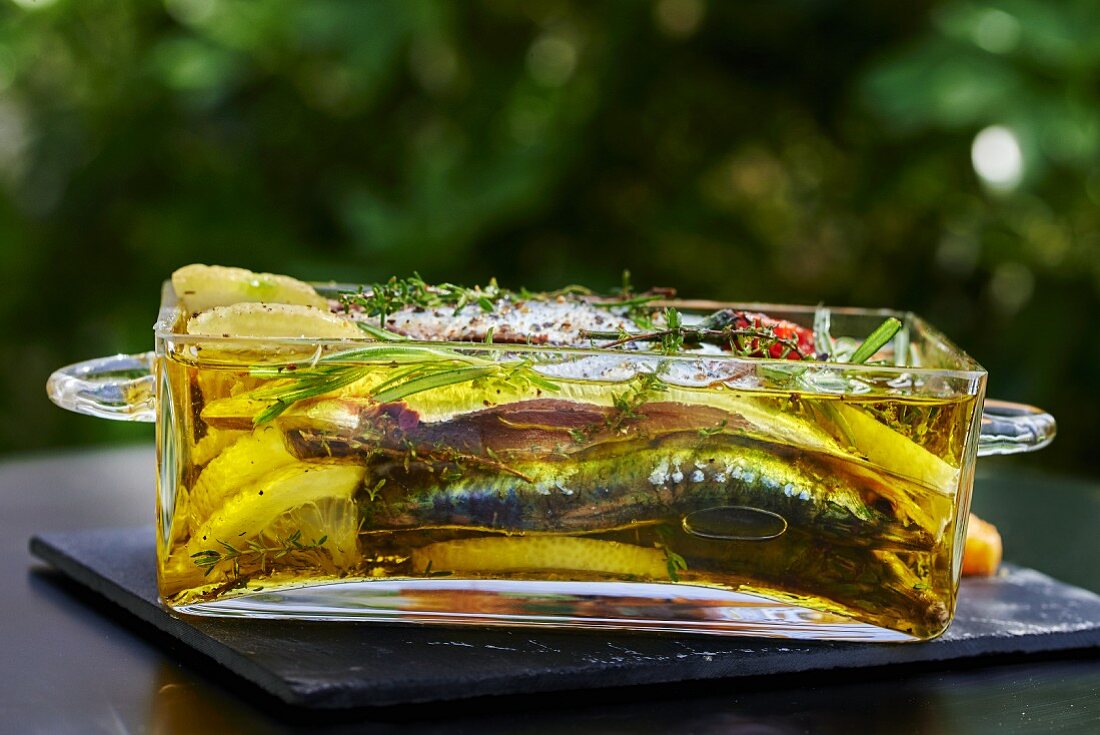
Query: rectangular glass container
591,488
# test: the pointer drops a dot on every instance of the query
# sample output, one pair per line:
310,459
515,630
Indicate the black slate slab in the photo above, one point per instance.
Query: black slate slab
348,665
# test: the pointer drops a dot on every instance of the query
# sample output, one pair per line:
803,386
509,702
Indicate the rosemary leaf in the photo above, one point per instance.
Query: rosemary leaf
540,382
380,334
875,340
416,371
437,380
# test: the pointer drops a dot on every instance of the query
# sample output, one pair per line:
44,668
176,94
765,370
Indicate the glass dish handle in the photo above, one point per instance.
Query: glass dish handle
120,387
1009,428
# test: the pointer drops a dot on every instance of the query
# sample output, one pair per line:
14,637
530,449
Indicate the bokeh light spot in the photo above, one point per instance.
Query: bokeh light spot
958,254
997,157
679,18
996,31
1011,287
434,64
190,12
34,4
552,60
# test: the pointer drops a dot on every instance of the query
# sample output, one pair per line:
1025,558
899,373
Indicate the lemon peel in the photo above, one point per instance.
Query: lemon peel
199,287
559,553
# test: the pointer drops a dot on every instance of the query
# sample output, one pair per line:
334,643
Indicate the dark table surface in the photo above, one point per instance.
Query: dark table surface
72,664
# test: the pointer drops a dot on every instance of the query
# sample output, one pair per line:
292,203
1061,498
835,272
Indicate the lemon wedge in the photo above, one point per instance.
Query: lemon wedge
886,448
271,320
241,464
200,287
213,443
556,553
277,496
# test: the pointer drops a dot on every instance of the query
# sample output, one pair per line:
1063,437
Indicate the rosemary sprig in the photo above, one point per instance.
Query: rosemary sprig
207,559
316,382
875,340
324,377
429,368
434,376
382,335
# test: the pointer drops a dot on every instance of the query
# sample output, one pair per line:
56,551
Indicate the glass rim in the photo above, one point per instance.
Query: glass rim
968,368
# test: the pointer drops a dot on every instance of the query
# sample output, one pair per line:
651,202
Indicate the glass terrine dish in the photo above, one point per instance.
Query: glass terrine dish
434,454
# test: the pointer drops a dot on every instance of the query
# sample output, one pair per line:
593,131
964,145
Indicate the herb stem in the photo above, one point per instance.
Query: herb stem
875,340
721,337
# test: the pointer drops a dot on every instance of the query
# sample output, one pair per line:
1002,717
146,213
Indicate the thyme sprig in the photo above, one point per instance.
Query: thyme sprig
743,342
383,299
207,559
675,564
672,341
624,407
450,463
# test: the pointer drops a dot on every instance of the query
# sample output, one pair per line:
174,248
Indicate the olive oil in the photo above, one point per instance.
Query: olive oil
827,504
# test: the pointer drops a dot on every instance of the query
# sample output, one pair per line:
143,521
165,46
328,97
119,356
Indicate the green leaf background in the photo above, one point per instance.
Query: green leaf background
797,150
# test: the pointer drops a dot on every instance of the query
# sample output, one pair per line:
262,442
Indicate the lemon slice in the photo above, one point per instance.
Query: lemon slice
216,384
213,443
549,553
234,413
254,510
200,287
888,449
271,320
238,466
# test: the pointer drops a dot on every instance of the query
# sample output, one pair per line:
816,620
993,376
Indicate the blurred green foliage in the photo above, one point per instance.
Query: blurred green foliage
802,150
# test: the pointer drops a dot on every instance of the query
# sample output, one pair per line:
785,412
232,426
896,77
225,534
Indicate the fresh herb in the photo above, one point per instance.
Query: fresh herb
624,407
210,558
711,431
372,493
675,564
307,383
672,341
429,573
823,340
431,375
626,290
438,458
673,561
875,341
746,342
428,368
382,335
383,299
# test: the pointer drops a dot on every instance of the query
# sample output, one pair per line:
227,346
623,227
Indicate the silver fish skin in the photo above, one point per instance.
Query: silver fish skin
535,321
628,483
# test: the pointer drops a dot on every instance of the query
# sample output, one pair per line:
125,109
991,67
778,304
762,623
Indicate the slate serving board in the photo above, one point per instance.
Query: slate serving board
336,666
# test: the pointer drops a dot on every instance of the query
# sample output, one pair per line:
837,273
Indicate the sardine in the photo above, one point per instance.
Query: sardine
563,321
619,484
